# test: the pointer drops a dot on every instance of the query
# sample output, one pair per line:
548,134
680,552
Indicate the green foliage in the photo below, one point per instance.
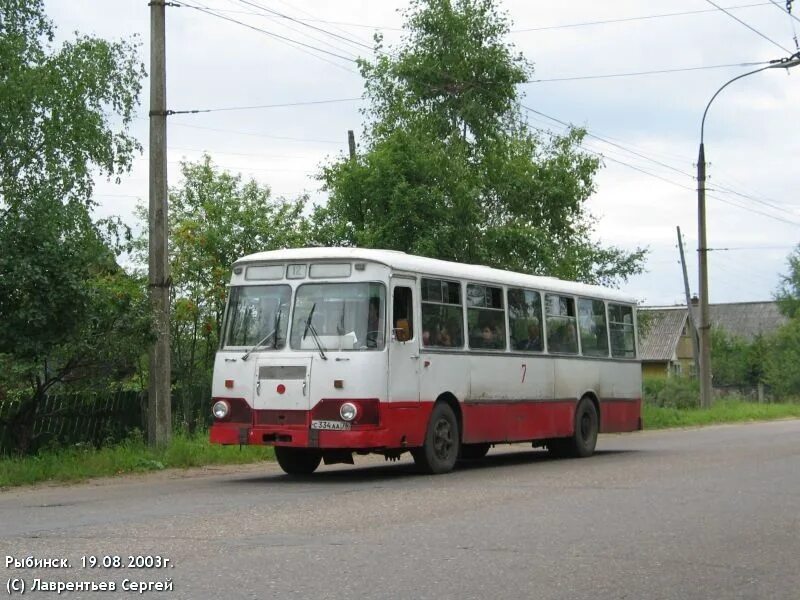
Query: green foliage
671,392
132,456
451,169
782,365
215,218
782,369
729,410
56,107
737,362
67,312
788,295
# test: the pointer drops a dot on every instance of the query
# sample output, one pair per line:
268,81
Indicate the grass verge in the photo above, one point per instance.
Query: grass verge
131,456
723,411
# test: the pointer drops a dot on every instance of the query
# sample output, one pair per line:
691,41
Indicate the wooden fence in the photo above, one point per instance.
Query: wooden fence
92,418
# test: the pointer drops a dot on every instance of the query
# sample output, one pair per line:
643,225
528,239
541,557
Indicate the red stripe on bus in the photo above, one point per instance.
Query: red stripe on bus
403,424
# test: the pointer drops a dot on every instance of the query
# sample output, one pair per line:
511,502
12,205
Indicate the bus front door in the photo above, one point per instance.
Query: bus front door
403,344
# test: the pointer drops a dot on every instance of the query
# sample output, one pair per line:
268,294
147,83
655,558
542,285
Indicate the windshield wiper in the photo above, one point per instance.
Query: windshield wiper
266,337
308,320
258,345
317,341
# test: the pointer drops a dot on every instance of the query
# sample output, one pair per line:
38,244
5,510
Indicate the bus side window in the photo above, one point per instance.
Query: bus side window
402,314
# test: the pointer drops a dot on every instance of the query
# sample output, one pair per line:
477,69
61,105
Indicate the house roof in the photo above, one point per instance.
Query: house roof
746,320
660,335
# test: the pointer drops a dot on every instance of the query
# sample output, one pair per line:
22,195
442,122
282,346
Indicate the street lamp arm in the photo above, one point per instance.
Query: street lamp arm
780,63
705,112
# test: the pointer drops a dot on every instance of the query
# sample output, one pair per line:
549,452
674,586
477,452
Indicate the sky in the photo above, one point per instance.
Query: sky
588,58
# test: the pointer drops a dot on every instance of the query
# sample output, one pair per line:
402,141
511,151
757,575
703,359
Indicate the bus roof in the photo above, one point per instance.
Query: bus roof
401,261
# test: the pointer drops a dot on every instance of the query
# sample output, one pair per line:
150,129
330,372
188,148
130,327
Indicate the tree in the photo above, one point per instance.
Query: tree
452,170
215,218
58,278
788,295
782,368
737,362
783,353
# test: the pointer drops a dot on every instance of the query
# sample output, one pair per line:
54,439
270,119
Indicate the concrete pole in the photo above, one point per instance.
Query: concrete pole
704,328
692,324
159,408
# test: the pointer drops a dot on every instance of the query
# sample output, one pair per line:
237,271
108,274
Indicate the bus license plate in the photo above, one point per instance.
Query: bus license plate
333,425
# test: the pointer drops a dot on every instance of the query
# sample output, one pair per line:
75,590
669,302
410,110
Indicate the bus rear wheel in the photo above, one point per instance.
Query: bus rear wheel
297,461
584,439
440,450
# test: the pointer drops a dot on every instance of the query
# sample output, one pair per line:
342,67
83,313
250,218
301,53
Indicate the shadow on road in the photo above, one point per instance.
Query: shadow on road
496,459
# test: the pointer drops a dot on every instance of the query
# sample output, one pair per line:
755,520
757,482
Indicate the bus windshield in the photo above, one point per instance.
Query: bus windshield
341,316
258,315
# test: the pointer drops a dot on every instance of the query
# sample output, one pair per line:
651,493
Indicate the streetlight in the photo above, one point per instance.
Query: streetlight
702,250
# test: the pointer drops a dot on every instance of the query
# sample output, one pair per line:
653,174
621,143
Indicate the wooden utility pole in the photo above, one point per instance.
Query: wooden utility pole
692,324
159,408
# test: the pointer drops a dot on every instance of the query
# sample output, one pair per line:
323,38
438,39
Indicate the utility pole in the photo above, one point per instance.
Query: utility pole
704,329
702,249
351,141
159,408
692,324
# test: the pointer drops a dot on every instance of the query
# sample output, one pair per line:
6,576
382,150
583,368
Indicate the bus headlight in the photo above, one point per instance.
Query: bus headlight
348,411
221,409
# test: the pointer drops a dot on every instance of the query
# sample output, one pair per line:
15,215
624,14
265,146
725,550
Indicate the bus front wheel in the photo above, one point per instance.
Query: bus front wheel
440,450
584,439
297,461
474,451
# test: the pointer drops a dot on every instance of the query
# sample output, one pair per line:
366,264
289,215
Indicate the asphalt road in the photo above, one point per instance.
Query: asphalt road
704,513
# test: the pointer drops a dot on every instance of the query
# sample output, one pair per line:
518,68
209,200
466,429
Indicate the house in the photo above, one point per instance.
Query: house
665,342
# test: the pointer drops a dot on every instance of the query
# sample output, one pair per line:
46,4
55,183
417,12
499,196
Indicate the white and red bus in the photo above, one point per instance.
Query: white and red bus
326,352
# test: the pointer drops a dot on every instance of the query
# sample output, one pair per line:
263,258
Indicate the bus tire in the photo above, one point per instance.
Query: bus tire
297,461
440,450
584,439
474,451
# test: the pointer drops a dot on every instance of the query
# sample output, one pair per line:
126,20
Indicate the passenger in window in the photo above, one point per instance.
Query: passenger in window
534,341
489,337
426,337
374,324
443,339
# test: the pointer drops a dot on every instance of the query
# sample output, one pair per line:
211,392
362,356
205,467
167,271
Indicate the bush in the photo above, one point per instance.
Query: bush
671,392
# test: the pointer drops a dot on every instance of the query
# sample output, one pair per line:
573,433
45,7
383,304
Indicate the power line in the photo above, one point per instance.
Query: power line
656,176
260,106
753,29
277,37
655,72
261,135
783,10
294,6
628,19
283,22
720,188
325,31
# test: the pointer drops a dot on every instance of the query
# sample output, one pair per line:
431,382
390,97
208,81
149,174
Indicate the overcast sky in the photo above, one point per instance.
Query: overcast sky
644,190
